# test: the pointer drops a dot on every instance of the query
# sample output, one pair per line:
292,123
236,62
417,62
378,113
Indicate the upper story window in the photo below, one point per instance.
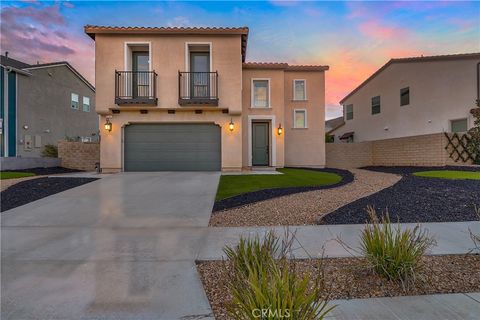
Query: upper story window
260,93
459,125
299,90
74,101
86,104
405,96
349,112
300,118
376,105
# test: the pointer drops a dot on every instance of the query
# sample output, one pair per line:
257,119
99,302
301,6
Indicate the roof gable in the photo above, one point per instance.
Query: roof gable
449,57
60,64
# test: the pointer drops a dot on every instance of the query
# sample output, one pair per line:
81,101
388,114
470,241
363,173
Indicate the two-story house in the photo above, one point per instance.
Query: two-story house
185,99
41,104
412,96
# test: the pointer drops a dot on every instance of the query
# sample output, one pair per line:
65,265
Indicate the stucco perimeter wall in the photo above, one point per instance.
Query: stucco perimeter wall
349,155
79,155
422,150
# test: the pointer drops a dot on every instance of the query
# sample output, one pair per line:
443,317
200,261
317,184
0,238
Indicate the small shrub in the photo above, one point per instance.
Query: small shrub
264,285
476,236
394,253
473,145
50,151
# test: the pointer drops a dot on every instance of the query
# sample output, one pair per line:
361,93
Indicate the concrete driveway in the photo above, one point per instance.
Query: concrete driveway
122,247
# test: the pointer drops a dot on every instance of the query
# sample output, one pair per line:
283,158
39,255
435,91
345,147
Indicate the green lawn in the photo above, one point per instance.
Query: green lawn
234,185
14,175
450,174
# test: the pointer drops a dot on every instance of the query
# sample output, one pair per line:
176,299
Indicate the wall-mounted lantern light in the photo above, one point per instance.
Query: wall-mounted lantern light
231,125
280,129
108,125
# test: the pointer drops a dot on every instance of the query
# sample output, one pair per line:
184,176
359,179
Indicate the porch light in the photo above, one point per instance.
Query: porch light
280,129
231,125
108,125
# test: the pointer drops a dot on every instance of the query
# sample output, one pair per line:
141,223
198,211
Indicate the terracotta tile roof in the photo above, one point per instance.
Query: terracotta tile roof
243,31
307,68
283,65
475,55
265,65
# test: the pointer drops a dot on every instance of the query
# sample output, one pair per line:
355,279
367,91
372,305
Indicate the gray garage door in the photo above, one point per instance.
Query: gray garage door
172,147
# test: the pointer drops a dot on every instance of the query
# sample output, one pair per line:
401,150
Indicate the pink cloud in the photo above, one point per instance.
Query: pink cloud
375,30
40,33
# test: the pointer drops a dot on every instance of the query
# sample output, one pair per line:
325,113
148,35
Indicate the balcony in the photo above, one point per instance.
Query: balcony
136,87
198,88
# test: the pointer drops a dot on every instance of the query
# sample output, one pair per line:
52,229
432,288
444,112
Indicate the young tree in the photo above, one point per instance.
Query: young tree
473,145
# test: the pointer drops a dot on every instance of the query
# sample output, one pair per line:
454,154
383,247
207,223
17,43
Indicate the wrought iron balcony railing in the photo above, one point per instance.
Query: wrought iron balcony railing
198,88
135,87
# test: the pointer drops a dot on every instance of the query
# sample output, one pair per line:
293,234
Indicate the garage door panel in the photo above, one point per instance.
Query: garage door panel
172,147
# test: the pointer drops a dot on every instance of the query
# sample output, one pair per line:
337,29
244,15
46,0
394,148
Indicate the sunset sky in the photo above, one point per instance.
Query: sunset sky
353,38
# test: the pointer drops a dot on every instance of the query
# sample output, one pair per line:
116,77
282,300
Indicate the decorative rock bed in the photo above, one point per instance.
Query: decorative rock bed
415,199
34,189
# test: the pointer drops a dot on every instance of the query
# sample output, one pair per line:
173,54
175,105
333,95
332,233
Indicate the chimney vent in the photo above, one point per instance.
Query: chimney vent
6,54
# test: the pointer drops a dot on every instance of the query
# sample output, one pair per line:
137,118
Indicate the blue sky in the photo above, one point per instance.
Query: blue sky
353,38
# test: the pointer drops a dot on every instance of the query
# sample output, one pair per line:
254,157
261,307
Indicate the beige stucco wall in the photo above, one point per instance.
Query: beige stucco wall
111,143
305,147
274,114
168,57
440,91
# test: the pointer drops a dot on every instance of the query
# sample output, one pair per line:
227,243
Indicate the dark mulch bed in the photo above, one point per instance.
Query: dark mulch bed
46,171
415,199
34,189
347,278
261,195
406,170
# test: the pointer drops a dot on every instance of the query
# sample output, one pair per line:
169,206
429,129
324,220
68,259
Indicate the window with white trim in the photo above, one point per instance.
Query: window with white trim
459,125
349,112
299,90
261,94
74,101
86,104
300,118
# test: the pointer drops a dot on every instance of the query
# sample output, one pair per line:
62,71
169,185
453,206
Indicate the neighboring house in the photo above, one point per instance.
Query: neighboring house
42,104
185,99
332,125
412,96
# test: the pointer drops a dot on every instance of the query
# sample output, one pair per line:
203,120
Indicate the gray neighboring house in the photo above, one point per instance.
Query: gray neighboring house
42,104
332,125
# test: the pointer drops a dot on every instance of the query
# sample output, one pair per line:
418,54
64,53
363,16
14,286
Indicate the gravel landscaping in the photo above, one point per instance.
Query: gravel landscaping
265,194
415,199
348,278
30,190
45,171
306,207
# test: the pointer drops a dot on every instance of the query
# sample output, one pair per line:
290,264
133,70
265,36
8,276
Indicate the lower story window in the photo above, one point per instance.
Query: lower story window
300,118
459,125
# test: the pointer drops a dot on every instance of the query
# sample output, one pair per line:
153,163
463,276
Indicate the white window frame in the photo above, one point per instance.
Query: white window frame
78,101
451,120
252,93
128,57
346,112
187,53
294,122
83,104
304,87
